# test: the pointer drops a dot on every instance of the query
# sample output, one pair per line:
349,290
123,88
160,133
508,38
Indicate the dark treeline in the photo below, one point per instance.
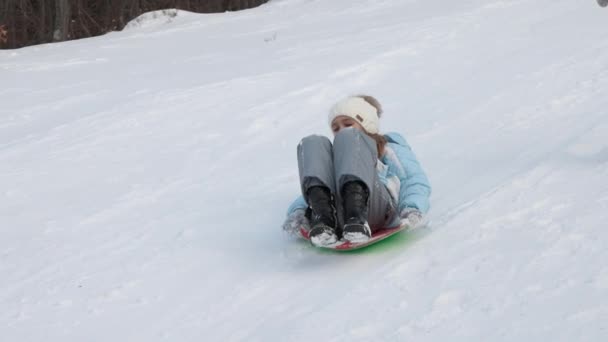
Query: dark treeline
29,22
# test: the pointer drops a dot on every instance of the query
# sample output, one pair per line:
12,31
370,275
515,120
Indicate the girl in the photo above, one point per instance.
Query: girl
362,182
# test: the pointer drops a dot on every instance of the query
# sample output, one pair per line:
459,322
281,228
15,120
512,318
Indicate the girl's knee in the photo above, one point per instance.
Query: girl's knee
349,133
315,139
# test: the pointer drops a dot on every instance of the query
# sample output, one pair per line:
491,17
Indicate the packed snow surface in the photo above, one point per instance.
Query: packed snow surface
145,174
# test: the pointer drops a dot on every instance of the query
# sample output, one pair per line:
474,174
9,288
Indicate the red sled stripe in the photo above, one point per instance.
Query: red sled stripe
378,235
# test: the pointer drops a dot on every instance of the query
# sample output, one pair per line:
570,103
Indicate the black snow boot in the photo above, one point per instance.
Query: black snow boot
323,220
355,197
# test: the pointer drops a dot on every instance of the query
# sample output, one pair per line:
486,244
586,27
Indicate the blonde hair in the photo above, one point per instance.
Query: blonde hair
379,138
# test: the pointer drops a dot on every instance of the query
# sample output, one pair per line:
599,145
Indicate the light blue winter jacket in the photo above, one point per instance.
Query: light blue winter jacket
402,174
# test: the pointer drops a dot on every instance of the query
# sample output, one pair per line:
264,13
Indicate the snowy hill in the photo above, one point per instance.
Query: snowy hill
144,175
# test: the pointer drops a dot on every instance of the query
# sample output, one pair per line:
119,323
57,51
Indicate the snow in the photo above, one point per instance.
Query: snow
155,18
145,174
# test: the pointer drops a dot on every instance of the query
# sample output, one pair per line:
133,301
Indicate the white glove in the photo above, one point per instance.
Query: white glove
296,221
411,217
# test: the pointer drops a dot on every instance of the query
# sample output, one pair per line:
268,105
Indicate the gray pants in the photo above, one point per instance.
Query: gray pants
353,156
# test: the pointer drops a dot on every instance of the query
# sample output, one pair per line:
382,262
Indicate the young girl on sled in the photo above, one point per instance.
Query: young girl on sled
363,182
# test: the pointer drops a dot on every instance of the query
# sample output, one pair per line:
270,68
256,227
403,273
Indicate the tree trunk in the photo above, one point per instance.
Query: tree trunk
62,20
7,23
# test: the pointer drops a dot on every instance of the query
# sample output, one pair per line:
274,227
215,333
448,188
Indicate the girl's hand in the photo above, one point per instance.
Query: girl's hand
411,217
295,221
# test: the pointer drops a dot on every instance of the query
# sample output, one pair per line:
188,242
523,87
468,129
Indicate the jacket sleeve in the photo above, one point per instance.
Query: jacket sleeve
299,203
415,189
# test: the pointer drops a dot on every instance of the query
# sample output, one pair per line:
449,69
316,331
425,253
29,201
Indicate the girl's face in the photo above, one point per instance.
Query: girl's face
343,122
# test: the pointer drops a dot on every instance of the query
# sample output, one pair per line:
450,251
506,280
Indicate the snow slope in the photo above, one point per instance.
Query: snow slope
144,175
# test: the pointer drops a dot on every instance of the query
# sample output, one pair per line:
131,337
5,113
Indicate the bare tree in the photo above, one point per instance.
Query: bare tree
3,34
27,22
62,20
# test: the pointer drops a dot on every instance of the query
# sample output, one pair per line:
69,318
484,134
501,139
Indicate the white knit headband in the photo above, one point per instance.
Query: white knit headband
358,109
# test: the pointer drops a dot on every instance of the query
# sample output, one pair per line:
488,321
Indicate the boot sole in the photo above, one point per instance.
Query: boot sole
356,237
324,239
323,236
